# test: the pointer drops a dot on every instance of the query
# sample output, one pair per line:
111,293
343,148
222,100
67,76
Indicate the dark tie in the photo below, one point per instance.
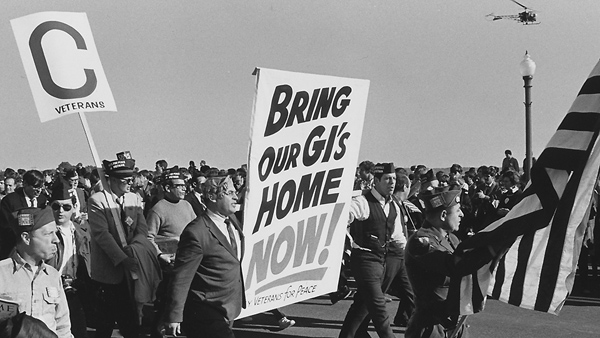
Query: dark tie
231,236
120,201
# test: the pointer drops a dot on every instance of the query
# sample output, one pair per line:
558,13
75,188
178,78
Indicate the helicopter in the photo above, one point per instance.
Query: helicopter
527,17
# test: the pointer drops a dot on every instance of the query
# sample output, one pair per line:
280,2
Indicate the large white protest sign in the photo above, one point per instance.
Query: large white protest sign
305,138
62,64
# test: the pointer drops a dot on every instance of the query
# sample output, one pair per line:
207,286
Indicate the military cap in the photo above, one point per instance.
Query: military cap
30,219
174,176
61,190
384,168
428,181
442,197
122,167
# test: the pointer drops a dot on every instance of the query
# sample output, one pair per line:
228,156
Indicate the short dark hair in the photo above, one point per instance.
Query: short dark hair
162,163
366,166
33,178
508,152
401,182
513,176
456,168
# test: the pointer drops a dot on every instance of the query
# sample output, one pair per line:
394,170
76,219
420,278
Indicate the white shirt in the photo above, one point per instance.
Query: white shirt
69,259
31,202
359,209
222,226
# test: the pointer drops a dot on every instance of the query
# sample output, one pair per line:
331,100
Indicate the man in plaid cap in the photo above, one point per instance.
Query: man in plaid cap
24,273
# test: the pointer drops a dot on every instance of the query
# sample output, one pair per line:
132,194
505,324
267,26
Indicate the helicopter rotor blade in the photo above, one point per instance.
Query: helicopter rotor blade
525,7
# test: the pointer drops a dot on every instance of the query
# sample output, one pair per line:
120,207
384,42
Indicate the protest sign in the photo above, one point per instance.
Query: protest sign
305,138
8,308
62,64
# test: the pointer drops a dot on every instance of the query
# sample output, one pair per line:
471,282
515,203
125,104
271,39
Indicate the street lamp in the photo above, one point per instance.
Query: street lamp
527,68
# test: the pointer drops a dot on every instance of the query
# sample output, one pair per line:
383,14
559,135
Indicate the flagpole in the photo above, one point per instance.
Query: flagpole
105,186
92,145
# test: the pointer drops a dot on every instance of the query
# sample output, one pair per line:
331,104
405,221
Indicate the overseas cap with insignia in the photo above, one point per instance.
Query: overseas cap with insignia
30,219
428,182
441,197
122,167
61,190
384,168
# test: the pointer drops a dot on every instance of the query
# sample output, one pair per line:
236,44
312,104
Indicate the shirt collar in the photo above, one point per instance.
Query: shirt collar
19,263
213,215
378,196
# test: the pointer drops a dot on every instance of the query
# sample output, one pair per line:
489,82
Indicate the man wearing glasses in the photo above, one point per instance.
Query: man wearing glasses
29,196
115,218
206,292
66,261
166,220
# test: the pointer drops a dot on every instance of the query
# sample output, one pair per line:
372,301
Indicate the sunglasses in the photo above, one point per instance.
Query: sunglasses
126,180
65,207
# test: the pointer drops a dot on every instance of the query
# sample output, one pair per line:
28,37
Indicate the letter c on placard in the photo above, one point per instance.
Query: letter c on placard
39,58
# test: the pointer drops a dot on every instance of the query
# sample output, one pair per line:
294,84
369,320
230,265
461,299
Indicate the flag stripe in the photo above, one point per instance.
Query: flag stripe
571,139
591,85
569,159
516,288
586,104
580,121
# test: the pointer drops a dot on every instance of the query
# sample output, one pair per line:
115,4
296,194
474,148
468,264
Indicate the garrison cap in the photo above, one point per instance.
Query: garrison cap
441,197
30,219
61,190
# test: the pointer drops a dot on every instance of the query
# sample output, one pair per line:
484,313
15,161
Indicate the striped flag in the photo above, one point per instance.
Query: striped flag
537,243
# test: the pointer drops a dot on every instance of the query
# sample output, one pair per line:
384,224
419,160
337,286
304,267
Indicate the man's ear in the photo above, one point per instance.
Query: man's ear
443,215
26,237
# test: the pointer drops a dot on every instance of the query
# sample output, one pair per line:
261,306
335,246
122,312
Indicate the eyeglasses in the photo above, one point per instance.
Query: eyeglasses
65,207
126,180
180,186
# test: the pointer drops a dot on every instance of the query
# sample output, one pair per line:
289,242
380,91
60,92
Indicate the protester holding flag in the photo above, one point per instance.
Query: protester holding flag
431,260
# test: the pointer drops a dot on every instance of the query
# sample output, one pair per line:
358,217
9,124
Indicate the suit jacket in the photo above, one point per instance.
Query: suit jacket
106,249
14,201
206,271
198,206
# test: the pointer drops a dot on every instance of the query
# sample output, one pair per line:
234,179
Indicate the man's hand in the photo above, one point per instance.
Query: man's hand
172,329
131,264
165,258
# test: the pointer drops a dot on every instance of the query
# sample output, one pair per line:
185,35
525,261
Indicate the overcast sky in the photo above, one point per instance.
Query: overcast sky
445,82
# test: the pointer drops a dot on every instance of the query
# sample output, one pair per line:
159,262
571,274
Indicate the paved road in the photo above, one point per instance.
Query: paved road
318,318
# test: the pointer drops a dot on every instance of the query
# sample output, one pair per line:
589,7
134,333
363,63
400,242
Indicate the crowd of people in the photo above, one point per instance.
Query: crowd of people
95,248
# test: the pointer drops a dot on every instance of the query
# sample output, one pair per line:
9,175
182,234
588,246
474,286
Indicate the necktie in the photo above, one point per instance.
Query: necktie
231,236
33,202
120,201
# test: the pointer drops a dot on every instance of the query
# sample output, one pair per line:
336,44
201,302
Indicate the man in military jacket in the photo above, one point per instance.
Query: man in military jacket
431,259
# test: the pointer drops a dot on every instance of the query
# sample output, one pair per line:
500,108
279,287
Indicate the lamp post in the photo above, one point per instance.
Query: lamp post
527,68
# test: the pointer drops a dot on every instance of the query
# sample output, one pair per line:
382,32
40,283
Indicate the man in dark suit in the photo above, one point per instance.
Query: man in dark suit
195,197
111,266
206,292
30,195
